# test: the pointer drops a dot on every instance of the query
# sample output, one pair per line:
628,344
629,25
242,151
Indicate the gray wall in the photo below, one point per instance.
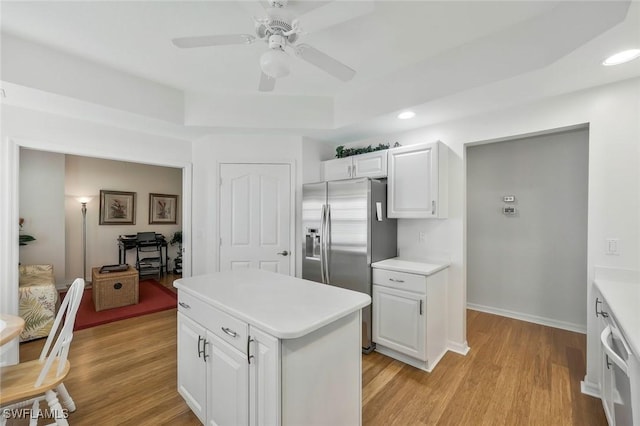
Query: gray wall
532,265
42,207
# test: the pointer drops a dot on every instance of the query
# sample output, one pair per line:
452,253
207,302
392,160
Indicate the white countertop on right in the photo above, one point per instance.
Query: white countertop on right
623,299
411,266
621,290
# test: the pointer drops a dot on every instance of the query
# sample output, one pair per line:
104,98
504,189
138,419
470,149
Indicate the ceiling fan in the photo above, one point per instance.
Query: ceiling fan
280,29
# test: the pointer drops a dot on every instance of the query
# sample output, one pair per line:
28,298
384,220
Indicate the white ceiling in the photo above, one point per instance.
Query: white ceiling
394,47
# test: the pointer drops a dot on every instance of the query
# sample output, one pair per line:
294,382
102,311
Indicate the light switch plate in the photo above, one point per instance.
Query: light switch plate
613,247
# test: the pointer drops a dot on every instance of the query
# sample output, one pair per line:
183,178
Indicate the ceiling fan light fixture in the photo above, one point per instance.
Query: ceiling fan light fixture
622,57
275,63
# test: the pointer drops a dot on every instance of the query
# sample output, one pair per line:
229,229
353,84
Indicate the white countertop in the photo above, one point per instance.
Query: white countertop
411,266
621,291
283,306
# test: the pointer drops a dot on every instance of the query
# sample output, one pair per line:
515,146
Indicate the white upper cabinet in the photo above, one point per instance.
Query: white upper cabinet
372,164
417,183
337,169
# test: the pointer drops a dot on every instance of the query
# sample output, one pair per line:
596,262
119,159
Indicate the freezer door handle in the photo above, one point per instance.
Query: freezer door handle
323,217
327,243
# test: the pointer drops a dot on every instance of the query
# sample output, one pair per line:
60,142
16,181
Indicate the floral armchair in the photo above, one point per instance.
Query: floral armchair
38,300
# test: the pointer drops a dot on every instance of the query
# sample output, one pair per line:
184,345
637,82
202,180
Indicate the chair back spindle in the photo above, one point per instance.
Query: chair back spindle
67,312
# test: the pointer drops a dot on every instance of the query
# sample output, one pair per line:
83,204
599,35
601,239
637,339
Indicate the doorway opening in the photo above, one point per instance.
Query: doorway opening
527,228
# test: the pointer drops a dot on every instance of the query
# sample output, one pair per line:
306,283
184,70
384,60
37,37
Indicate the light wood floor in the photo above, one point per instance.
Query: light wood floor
516,373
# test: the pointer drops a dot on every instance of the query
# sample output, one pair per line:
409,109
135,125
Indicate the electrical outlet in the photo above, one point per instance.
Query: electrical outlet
422,237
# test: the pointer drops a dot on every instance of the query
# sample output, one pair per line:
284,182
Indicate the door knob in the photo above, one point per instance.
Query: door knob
283,253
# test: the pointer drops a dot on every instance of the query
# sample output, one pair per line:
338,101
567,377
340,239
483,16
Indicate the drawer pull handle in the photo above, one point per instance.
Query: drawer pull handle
200,351
395,280
117,286
229,332
420,306
184,305
600,312
249,356
205,355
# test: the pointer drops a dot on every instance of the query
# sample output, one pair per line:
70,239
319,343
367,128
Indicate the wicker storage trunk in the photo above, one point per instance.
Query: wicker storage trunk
114,289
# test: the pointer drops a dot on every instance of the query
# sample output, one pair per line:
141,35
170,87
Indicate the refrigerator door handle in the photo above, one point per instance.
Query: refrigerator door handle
323,235
327,242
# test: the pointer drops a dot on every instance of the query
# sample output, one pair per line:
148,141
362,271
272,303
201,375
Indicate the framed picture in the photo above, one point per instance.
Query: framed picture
117,208
163,208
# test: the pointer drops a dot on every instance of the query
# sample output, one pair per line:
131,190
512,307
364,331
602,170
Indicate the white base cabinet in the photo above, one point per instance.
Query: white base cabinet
192,383
417,186
233,373
409,316
372,164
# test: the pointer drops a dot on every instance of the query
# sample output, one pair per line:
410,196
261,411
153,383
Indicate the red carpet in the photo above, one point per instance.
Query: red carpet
153,296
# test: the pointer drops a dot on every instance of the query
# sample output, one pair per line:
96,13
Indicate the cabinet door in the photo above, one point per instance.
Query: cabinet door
191,366
413,181
340,168
373,165
228,384
264,379
399,320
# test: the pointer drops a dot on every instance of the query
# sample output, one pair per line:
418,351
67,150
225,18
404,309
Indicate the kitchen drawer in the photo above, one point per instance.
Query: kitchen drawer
223,325
400,280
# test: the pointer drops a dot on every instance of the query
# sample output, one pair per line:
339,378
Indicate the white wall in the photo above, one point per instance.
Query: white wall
42,207
313,153
208,153
612,113
32,129
86,176
532,265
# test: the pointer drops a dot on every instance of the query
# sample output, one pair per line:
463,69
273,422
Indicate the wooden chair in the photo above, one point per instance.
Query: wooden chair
32,381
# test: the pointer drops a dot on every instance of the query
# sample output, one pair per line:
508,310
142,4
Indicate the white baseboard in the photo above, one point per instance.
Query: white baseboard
422,365
459,348
578,328
590,388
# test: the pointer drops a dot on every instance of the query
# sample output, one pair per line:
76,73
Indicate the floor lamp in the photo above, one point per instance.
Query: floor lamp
84,201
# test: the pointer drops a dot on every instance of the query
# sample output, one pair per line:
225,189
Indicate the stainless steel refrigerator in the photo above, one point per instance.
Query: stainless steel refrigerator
345,229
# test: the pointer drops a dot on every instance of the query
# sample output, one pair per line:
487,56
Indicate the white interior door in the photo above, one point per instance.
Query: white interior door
255,217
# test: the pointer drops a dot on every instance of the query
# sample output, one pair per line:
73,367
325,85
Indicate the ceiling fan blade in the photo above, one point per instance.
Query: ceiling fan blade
213,40
333,13
267,84
324,62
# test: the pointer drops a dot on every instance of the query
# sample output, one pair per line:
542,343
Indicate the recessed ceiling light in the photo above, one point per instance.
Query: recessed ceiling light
622,57
406,115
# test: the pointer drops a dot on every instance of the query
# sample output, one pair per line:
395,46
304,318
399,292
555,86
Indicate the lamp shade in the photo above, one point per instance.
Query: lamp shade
83,200
275,63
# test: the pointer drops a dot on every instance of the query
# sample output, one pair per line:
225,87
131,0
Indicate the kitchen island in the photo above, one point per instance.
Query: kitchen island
256,347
